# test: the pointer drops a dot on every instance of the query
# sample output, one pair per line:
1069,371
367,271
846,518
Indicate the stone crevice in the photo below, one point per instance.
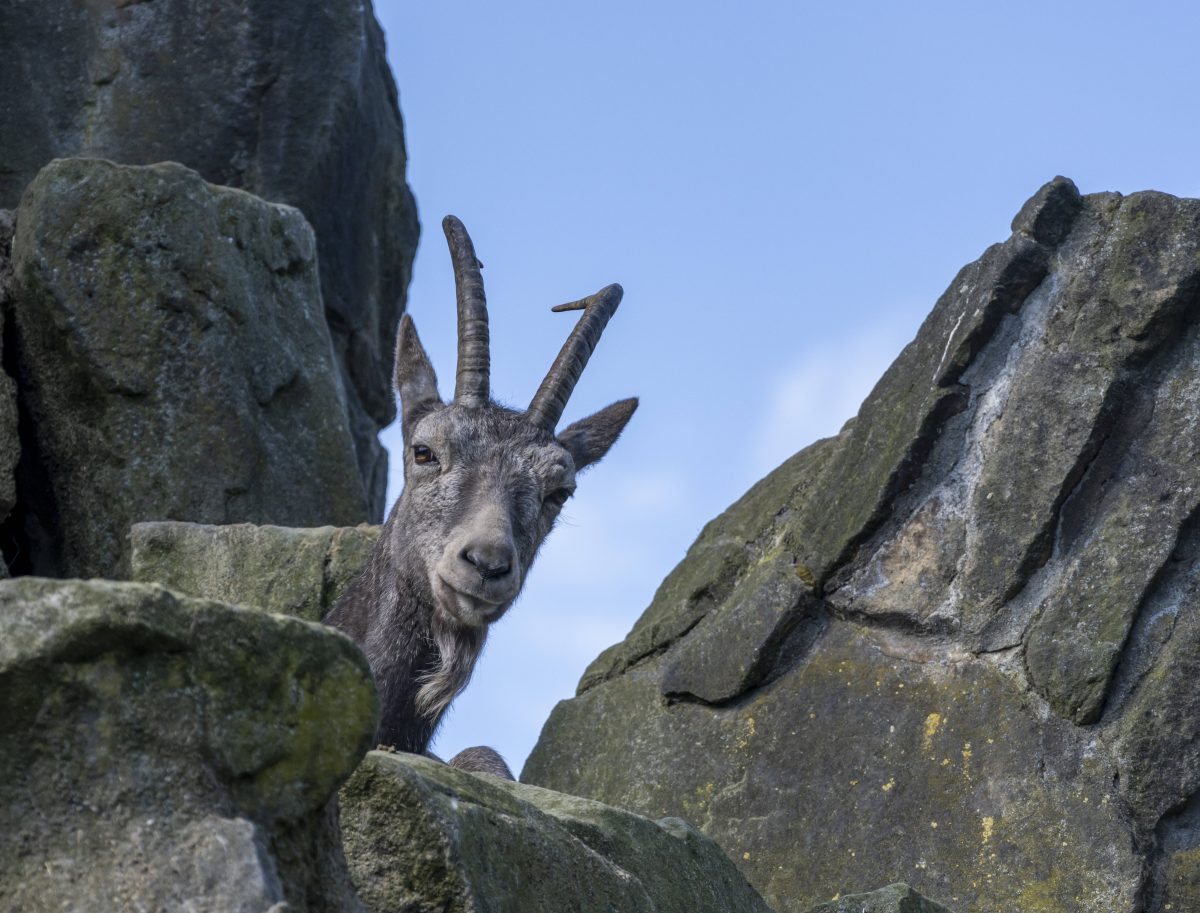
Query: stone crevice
1174,588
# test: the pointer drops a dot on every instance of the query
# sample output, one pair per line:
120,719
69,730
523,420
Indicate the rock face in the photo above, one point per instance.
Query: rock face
895,898
170,753
10,448
172,362
298,572
292,101
956,643
422,836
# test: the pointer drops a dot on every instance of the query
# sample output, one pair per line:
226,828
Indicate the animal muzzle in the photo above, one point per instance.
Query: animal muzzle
478,578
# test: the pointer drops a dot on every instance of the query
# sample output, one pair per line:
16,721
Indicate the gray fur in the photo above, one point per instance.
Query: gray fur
457,546
482,760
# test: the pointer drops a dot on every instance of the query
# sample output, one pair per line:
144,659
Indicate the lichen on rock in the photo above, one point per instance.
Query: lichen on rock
297,572
423,836
163,752
169,343
989,692
292,102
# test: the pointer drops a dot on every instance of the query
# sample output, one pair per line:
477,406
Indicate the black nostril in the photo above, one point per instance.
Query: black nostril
490,562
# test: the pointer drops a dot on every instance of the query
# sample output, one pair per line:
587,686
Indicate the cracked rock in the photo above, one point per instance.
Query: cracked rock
1004,542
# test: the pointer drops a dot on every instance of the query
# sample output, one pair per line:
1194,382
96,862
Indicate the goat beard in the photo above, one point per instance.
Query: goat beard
458,647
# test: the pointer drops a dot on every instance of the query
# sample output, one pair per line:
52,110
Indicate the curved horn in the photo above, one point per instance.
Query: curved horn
551,399
472,385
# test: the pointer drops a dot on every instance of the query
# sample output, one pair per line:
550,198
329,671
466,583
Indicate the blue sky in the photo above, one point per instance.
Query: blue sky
783,189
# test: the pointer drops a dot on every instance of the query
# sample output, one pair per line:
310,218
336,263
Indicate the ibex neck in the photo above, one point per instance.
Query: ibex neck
388,611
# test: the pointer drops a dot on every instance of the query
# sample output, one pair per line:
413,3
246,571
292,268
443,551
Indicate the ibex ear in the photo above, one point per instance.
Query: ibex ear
590,438
415,379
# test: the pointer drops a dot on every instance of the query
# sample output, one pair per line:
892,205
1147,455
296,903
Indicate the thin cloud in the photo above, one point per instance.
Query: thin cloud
814,397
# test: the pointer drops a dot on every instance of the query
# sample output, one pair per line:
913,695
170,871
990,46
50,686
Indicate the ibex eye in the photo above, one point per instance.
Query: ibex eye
559,496
422,454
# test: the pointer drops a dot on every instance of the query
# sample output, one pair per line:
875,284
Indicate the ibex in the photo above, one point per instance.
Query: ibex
483,486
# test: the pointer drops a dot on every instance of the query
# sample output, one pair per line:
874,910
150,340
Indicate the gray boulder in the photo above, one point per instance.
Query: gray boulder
422,836
292,101
297,572
172,362
957,642
170,753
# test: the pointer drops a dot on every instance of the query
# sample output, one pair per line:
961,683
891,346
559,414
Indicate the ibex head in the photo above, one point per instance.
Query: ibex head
483,484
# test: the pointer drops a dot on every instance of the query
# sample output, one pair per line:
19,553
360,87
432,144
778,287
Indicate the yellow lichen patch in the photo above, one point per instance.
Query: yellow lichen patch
933,723
703,799
989,826
748,732
889,785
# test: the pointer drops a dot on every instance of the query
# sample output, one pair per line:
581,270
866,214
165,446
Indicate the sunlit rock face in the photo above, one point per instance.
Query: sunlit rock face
291,100
956,644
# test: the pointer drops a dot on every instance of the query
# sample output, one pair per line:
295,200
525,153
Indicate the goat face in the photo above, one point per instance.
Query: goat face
483,487
484,484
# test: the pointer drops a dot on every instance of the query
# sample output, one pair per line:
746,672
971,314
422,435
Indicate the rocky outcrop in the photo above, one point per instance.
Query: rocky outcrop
956,642
172,362
292,101
422,836
164,753
298,572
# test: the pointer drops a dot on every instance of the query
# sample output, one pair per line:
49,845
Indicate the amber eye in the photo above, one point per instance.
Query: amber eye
559,496
422,454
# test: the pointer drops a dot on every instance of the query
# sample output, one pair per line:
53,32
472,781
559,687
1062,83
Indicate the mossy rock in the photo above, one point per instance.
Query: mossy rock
955,644
163,752
298,572
295,104
422,836
168,338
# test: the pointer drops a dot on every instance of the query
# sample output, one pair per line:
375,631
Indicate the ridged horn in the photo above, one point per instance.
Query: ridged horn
472,383
551,398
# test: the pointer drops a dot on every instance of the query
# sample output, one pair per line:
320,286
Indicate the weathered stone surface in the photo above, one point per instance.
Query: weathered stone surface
10,446
738,644
874,755
170,753
173,363
292,101
725,549
991,694
895,898
1181,888
422,836
297,572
